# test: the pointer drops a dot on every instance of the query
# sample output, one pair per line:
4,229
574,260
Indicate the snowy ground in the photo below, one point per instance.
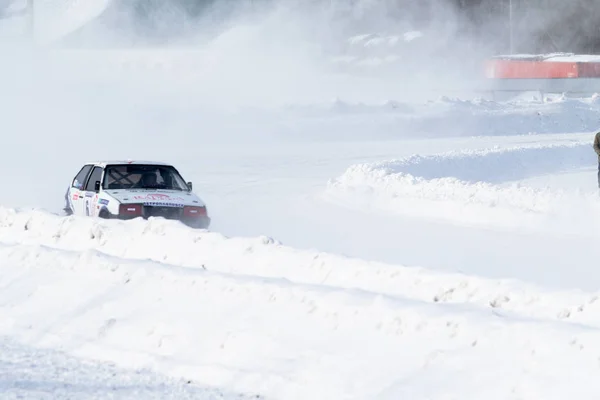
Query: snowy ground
254,316
46,374
365,244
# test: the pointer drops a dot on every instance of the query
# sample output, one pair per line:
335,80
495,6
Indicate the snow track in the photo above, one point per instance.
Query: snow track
258,317
469,187
45,374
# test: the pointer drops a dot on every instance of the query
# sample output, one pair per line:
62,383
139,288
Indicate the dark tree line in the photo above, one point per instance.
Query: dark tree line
537,25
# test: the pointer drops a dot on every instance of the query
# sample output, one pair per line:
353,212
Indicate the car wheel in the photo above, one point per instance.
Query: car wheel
104,214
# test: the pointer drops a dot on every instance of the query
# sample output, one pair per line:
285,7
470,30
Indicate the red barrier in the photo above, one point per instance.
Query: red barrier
527,69
514,69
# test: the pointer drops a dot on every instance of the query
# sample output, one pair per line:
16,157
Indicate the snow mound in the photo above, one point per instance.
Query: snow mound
378,39
493,165
267,260
254,316
377,49
468,187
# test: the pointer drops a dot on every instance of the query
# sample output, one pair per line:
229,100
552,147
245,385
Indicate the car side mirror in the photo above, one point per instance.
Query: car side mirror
97,186
190,186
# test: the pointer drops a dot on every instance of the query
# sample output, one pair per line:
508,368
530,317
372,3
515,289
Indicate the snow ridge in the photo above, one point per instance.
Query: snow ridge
494,165
264,259
255,316
471,187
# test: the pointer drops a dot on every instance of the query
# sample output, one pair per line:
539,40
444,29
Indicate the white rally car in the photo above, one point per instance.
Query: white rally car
131,189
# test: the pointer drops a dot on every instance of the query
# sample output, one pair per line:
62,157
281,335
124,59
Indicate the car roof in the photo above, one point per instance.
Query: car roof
132,162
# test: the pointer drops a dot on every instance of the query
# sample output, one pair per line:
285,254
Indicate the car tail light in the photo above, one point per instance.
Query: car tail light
130,209
193,211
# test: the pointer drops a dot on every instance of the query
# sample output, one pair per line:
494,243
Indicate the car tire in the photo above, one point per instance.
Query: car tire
104,214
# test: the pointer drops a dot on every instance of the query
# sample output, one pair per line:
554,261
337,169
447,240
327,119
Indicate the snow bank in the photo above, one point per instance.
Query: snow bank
464,187
265,258
375,50
254,316
493,165
387,40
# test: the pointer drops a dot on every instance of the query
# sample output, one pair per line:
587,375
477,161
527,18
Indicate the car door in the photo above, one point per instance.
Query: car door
91,195
76,193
